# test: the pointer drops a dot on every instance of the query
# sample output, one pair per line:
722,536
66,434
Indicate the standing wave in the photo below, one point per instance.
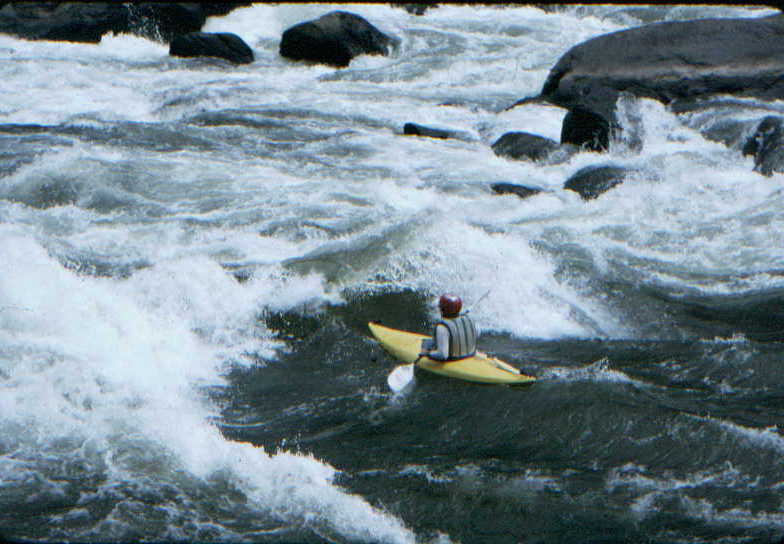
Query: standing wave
105,420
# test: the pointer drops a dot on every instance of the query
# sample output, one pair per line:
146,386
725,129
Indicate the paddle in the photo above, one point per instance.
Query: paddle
401,376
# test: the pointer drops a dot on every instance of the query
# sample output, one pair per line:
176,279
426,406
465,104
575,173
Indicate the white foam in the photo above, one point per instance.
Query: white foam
451,255
598,371
252,23
105,362
650,489
768,438
705,510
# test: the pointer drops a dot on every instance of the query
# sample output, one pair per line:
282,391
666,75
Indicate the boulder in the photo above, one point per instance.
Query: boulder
767,146
522,191
202,44
413,129
524,146
63,21
162,21
334,39
88,21
672,60
592,181
585,129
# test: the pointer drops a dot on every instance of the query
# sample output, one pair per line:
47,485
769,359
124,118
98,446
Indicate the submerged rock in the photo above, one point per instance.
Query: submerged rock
415,9
413,129
767,146
334,39
592,181
522,191
523,145
222,45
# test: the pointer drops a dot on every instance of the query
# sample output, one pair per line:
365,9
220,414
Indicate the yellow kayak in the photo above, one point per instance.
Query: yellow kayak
405,346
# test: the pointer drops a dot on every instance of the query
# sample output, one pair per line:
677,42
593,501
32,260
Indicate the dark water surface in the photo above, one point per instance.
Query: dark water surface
618,441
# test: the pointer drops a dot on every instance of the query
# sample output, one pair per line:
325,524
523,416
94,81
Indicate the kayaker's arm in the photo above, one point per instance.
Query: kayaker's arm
441,353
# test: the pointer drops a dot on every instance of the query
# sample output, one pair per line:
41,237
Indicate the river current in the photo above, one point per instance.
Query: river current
190,252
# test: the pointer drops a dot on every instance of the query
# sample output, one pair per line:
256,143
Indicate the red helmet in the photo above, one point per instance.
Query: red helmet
450,305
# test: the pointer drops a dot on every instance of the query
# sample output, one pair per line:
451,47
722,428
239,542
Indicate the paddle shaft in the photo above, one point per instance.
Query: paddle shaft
482,298
478,301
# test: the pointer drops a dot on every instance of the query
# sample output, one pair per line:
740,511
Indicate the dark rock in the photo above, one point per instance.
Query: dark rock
66,21
413,129
586,129
220,9
672,60
767,146
514,189
88,21
162,21
415,9
522,145
592,181
334,39
222,45
751,146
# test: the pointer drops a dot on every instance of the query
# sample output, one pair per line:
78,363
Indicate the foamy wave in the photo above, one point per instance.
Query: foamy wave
705,510
522,295
599,371
768,437
651,489
99,363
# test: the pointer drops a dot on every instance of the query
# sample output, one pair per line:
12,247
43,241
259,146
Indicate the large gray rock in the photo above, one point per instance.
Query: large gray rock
672,60
334,39
202,44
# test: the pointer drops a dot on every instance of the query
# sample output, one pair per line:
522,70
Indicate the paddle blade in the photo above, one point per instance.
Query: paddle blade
400,377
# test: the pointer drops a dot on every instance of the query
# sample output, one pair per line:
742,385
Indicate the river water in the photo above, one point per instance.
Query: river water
190,252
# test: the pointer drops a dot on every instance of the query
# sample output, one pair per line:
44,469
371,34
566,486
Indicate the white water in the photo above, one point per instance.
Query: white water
108,362
99,363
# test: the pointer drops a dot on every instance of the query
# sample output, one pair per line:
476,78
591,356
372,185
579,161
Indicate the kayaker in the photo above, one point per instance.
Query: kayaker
454,336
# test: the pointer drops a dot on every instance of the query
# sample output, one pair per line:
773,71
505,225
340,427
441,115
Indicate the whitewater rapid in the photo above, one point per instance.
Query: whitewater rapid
160,209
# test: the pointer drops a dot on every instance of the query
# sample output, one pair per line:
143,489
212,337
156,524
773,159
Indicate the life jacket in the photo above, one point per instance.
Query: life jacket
462,336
